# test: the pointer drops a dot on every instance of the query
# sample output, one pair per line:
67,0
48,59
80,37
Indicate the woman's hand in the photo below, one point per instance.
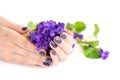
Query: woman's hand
62,46
15,48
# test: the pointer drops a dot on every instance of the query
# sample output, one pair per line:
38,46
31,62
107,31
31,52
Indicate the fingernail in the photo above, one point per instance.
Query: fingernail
42,53
46,64
64,36
24,28
37,65
73,45
58,40
49,60
53,52
53,44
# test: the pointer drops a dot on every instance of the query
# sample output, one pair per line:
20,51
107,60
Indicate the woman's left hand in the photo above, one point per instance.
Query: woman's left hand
61,45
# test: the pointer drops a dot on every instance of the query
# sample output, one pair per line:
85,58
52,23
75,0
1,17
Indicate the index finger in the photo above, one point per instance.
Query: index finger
6,23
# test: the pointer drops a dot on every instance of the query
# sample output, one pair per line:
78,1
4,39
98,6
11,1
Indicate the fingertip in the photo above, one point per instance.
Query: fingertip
52,52
53,44
57,40
54,57
42,52
24,28
63,35
46,64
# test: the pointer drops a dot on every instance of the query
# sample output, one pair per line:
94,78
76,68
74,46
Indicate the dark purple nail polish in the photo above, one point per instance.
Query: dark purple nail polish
37,65
24,28
53,44
53,52
46,64
49,60
58,40
42,53
63,36
73,45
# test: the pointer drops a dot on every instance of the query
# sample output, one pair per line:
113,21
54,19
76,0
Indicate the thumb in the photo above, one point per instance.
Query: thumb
11,25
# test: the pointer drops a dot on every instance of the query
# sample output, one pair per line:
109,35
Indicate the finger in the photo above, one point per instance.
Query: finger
67,38
30,59
63,45
25,44
33,62
27,33
20,41
69,32
12,58
6,23
54,57
19,59
41,57
61,55
11,48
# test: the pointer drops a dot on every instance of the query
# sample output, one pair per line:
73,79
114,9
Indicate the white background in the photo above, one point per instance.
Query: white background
76,67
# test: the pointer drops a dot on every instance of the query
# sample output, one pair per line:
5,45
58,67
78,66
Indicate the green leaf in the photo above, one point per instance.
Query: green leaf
69,26
80,26
30,24
97,30
94,43
92,53
85,47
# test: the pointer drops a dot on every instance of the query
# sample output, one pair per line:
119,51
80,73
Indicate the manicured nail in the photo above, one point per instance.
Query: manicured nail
53,44
49,60
73,45
58,40
42,53
24,28
37,65
46,64
64,36
53,52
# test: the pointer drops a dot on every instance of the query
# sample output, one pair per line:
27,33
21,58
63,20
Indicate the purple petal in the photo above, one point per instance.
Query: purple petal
51,23
38,48
75,35
73,45
101,51
52,33
59,30
49,39
45,46
80,36
104,57
32,36
61,24
106,52
37,38
38,45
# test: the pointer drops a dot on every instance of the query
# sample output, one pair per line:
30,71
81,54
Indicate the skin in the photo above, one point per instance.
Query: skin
16,48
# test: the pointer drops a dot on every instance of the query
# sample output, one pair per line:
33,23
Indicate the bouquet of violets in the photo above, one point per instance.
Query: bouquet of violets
44,32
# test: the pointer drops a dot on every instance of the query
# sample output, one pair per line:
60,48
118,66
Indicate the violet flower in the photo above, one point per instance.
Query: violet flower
45,32
76,35
104,54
